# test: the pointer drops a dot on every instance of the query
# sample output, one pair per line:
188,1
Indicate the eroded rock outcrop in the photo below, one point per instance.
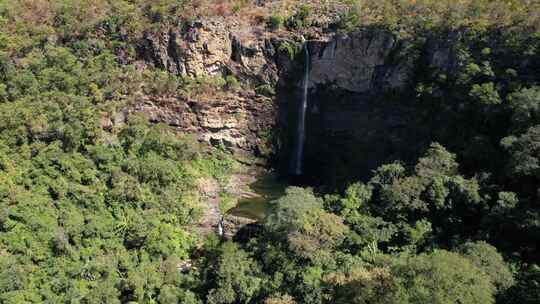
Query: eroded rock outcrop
376,60
359,62
240,119
236,122
216,46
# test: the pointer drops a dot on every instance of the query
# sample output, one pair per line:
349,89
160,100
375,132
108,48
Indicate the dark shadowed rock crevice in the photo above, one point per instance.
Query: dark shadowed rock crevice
362,106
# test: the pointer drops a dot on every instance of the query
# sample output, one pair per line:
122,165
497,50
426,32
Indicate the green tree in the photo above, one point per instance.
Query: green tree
526,289
237,277
489,260
299,219
525,107
442,277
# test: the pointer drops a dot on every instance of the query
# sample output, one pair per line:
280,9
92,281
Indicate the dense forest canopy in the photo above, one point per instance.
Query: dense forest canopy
96,207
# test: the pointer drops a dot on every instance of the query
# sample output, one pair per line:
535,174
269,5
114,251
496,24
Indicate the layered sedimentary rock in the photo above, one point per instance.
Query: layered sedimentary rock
359,62
240,119
356,84
236,122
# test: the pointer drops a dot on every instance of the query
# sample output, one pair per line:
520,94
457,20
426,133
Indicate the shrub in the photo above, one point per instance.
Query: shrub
203,86
485,93
290,48
443,277
266,90
238,5
301,18
275,22
226,202
161,83
348,20
232,82
489,260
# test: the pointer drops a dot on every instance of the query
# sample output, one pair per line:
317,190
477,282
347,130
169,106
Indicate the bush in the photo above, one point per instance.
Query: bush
239,4
202,87
301,18
348,21
292,49
275,22
485,93
489,260
266,90
161,83
232,82
443,277
226,202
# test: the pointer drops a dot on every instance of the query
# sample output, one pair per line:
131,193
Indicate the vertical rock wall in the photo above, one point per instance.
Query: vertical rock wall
359,109
239,119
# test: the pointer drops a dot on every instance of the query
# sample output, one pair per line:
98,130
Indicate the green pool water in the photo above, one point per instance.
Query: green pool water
269,188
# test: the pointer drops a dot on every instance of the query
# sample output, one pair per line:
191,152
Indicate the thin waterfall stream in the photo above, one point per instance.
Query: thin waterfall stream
267,186
297,159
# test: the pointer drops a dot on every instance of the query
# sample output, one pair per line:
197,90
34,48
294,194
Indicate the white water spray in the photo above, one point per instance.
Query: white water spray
220,229
301,128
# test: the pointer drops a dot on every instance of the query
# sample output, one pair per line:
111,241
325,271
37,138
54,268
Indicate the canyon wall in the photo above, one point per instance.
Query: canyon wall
239,119
359,111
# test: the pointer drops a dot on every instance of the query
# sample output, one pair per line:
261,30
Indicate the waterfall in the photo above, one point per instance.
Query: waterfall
220,227
297,159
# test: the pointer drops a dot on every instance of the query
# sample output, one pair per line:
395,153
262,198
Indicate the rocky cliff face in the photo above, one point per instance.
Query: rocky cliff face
359,62
358,84
240,119
360,110
375,60
216,46
236,122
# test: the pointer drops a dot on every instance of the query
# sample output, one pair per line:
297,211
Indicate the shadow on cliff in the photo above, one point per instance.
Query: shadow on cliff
365,109
356,117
